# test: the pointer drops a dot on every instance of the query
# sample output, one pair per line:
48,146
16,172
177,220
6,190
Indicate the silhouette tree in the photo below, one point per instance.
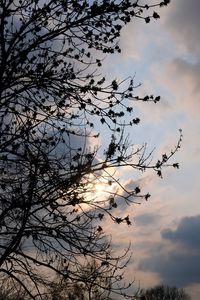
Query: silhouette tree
95,282
51,97
163,292
11,290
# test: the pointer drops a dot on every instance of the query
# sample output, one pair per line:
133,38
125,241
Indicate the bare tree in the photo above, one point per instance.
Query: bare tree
51,97
163,292
11,290
95,283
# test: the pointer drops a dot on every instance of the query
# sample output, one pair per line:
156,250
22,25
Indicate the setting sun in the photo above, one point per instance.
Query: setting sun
98,191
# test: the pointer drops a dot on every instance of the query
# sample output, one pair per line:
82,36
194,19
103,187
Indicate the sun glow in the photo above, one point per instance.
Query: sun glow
99,191
103,190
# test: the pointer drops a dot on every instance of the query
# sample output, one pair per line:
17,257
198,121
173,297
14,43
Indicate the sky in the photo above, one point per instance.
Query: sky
165,234
165,56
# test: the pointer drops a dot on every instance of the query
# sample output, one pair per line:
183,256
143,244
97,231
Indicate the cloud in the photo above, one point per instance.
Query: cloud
177,263
183,22
184,79
179,69
133,39
187,233
146,219
174,268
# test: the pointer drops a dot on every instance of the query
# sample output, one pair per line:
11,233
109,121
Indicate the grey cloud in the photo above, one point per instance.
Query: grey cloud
184,22
146,219
192,71
187,78
187,232
179,266
174,268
